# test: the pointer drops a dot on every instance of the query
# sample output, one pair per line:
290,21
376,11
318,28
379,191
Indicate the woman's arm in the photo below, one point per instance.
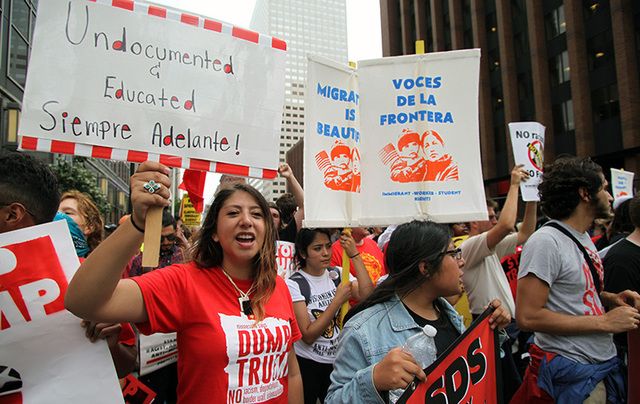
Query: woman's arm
97,292
364,286
354,379
296,190
311,330
296,395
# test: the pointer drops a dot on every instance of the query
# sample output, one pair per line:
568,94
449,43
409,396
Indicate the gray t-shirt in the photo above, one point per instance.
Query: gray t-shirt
555,259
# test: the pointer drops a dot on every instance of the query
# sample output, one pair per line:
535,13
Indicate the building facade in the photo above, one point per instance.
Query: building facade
309,27
571,65
17,21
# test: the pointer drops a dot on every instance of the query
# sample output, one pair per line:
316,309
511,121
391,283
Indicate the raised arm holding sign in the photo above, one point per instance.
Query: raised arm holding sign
231,285
137,82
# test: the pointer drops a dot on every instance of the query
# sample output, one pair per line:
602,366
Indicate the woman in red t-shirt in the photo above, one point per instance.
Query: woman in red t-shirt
233,315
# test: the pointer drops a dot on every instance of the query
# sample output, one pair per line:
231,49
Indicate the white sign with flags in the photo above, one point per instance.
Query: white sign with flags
527,141
157,351
130,76
332,145
46,356
621,183
394,140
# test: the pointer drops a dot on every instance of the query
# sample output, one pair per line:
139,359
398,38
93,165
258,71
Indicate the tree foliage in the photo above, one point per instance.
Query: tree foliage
76,176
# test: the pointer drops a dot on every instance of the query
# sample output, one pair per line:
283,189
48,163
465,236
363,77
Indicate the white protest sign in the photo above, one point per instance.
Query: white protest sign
285,258
527,141
621,183
45,354
132,81
420,138
157,351
332,145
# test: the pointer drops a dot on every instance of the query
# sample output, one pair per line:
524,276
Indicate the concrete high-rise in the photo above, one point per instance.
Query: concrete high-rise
316,27
572,65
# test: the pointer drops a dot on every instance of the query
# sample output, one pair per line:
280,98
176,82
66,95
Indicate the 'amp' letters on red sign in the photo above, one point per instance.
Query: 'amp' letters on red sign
35,287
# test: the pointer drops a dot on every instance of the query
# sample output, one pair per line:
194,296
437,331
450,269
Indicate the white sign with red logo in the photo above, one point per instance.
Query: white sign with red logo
621,183
133,81
157,351
527,140
394,140
45,354
285,258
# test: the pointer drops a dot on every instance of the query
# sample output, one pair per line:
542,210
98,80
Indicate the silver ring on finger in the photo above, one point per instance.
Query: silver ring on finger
152,187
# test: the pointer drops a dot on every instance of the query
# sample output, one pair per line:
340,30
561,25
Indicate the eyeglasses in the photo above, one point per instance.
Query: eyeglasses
455,253
170,237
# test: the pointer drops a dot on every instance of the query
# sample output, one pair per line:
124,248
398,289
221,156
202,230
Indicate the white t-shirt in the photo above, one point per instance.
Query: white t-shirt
483,276
323,290
556,260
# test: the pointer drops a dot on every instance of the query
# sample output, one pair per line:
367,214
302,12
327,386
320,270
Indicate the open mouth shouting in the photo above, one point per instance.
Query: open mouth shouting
246,239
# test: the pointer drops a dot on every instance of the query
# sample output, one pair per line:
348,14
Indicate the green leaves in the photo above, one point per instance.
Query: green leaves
74,175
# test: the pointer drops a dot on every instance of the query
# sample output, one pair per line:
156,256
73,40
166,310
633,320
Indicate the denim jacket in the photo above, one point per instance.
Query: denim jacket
365,340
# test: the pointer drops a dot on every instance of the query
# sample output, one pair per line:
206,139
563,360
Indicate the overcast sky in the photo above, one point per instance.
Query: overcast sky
363,31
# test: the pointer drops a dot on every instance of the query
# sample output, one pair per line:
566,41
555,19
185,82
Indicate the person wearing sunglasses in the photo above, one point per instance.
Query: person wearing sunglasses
424,267
170,251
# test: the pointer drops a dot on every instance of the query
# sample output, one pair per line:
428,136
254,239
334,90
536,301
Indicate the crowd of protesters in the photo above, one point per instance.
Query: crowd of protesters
240,325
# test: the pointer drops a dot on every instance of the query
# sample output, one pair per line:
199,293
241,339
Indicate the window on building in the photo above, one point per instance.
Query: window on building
600,50
22,19
555,23
560,71
563,120
605,103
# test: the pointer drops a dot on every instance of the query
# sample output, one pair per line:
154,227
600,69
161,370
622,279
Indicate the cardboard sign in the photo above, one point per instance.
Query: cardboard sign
285,258
45,354
466,372
188,214
136,392
527,141
621,183
157,351
332,145
135,82
393,141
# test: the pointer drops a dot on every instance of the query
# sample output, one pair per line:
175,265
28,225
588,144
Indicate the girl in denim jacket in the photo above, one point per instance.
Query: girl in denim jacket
424,268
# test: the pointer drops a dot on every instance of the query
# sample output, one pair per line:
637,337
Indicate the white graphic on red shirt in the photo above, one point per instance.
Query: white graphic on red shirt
590,297
258,356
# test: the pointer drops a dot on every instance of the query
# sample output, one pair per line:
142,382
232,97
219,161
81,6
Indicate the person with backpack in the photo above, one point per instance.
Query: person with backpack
317,296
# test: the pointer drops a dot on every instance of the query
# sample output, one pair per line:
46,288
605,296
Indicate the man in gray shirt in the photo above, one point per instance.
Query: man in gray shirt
561,300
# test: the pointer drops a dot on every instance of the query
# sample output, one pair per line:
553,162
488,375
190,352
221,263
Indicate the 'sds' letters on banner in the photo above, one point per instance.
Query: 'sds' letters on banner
467,372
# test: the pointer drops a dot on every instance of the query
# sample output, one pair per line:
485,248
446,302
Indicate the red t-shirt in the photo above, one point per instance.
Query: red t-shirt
371,257
223,356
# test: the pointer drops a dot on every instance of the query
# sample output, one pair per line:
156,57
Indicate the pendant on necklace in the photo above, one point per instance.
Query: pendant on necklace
245,305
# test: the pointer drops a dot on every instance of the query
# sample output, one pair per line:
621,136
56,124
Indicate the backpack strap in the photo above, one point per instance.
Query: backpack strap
587,258
305,288
303,284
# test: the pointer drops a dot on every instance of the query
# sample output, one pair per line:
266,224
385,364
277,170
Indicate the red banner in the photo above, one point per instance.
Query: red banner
466,372
136,392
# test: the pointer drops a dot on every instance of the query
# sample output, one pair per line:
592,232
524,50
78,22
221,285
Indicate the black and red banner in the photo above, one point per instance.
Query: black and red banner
136,392
467,372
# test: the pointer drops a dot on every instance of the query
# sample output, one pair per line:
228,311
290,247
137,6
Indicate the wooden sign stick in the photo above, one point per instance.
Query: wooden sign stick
152,230
346,268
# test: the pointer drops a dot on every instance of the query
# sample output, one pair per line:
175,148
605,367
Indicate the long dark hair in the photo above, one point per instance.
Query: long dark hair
410,244
208,253
303,240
